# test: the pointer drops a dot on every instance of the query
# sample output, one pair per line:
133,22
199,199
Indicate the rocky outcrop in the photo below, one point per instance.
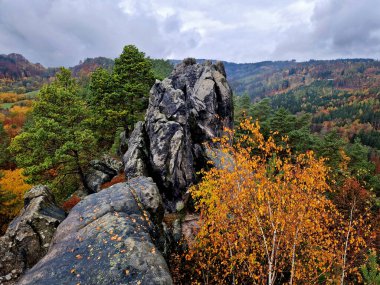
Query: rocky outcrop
102,171
16,67
116,236
186,110
111,237
28,237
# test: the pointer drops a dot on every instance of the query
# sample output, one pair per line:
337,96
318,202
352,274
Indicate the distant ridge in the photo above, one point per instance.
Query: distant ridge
257,80
15,66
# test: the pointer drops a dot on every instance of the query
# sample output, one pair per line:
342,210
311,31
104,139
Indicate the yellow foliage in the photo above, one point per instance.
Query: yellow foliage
19,110
12,181
9,97
265,217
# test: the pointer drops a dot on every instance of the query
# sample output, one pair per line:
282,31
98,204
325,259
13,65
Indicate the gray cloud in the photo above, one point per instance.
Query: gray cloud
337,28
61,32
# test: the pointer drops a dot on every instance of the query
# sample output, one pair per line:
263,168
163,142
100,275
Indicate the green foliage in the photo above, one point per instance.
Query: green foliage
261,110
101,102
161,68
118,99
370,271
371,138
296,128
267,78
117,140
6,198
330,147
282,121
345,158
58,143
360,166
241,107
5,157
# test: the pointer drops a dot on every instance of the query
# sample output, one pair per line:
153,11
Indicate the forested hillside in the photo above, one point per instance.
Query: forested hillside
329,107
272,77
300,173
18,76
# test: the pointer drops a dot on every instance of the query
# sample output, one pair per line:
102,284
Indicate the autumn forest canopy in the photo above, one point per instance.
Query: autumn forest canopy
291,194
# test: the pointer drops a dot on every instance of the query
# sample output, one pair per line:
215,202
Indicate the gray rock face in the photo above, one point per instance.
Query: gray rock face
102,171
29,235
186,110
137,154
108,238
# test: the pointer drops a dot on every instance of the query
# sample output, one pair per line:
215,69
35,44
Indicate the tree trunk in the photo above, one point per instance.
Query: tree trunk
82,176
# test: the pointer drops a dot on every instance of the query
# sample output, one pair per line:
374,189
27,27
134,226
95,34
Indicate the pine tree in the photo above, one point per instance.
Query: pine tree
57,144
120,98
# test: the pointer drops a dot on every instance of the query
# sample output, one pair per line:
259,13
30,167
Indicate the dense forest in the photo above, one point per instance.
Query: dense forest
306,140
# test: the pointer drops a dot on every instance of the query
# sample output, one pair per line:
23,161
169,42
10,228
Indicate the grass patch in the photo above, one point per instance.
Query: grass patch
7,105
31,95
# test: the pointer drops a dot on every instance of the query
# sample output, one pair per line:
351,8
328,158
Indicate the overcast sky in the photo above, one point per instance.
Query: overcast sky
62,32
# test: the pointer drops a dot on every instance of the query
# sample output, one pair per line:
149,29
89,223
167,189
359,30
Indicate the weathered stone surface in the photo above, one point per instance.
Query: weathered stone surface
136,157
29,235
102,171
123,147
186,110
108,238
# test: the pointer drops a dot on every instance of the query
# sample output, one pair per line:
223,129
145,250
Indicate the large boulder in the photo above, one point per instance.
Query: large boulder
29,235
186,110
111,237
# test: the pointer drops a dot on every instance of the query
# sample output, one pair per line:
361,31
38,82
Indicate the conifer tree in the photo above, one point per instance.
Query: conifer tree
57,144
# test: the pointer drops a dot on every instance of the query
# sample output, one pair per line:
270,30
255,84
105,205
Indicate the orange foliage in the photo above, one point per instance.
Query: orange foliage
265,217
19,110
9,97
117,179
70,203
14,122
348,131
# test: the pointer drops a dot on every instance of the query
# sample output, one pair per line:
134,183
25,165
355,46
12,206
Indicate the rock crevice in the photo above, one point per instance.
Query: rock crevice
189,108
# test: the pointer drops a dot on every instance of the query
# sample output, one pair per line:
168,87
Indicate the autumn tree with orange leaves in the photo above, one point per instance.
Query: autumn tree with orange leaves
266,218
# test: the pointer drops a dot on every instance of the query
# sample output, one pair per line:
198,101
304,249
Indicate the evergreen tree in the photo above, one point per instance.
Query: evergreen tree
331,147
4,143
241,107
119,99
57,144
359,164
282,121
161,68
370,271
133,77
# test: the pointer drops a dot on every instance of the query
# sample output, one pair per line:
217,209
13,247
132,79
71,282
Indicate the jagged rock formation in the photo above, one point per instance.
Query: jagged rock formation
28,237
116,236
186,110
111,237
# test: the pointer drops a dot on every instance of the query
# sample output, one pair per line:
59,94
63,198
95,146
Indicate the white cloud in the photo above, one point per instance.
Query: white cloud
61,32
